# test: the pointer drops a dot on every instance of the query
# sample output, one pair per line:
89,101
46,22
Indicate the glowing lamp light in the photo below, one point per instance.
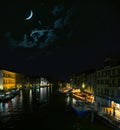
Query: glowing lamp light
83,85
1,87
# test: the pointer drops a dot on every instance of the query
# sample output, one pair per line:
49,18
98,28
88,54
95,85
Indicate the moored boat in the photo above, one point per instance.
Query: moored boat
65,90
8,95
79,107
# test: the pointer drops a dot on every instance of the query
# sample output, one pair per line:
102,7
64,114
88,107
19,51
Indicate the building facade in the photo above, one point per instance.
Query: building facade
107,90
10,80
104,83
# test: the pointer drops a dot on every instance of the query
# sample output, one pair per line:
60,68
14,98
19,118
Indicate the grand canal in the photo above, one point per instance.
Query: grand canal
43,109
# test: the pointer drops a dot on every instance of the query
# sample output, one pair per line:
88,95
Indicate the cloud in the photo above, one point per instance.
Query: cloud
26,43
58,23
68,16
36,36
57,9
41,38
64,20
50,37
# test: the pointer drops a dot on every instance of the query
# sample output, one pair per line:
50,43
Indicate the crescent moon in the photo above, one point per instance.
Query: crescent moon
30,16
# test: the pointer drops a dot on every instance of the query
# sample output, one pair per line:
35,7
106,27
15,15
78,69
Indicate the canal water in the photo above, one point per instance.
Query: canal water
43,109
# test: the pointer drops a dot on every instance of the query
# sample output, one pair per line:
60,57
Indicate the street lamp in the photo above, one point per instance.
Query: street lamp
83,85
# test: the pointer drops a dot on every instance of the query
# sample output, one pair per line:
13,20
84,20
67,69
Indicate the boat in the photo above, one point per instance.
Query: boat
5,96
65,90
79,107
15,92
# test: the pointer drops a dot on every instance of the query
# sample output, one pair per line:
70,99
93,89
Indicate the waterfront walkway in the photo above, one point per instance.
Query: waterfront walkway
107,114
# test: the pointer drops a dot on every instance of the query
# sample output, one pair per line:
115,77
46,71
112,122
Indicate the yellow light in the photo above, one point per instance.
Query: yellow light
1,87
83,85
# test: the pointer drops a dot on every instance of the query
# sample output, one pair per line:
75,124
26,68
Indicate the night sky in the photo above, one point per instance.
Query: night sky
62,36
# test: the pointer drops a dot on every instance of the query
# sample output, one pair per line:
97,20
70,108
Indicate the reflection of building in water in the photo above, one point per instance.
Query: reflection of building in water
9,80
30,95
68,100
43,93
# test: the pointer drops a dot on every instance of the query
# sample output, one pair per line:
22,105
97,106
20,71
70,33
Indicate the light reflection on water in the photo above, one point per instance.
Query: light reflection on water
68,100
43,93
24,112
30,96
14,109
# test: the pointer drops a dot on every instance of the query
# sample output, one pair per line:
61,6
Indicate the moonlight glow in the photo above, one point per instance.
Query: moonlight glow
30,16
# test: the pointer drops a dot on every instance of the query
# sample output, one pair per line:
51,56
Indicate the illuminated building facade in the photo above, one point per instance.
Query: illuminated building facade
84,80
43,82
104,83
91,82
9,80
107,91
77,80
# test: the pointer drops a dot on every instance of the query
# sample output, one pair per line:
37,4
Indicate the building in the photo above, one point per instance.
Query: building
104,83
107,90
91,82
84,80
10,80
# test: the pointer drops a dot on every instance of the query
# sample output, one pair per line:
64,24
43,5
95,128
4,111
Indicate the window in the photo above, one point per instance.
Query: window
113,93
113,81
